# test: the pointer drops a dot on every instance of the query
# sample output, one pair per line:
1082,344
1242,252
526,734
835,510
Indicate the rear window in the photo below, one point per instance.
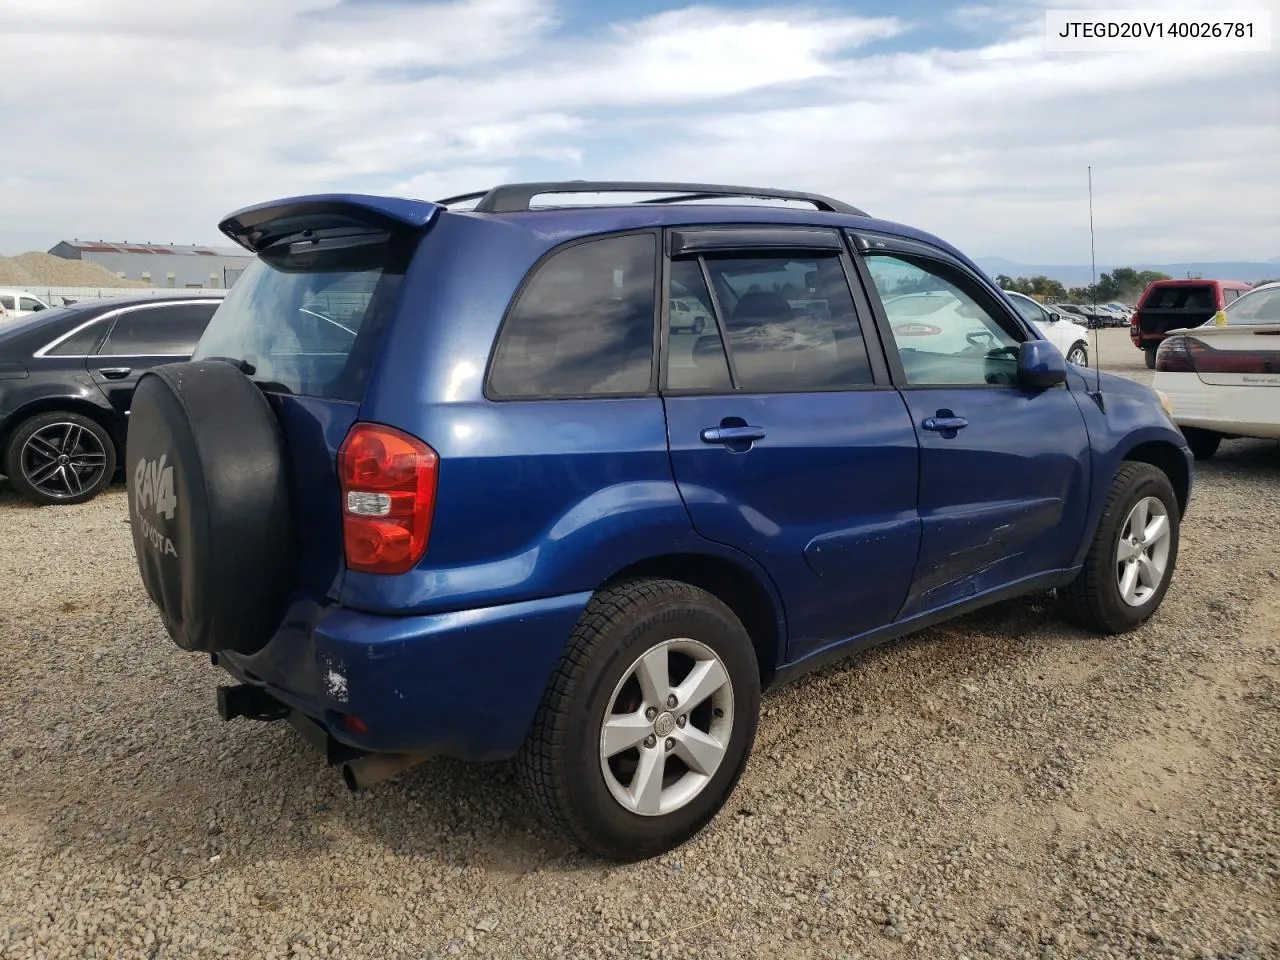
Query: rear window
1180,298
309,325
1259,306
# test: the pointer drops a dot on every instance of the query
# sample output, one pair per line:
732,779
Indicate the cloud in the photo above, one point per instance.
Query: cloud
154,120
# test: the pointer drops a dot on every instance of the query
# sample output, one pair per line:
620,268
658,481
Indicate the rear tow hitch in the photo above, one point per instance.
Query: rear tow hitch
250,702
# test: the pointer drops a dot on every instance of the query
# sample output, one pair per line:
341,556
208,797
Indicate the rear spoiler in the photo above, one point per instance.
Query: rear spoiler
330,215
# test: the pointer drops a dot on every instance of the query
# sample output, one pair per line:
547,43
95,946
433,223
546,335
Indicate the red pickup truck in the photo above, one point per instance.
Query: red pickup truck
1172,304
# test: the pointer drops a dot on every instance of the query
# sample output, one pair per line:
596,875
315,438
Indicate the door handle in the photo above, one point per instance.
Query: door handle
115,373
732,434
945,424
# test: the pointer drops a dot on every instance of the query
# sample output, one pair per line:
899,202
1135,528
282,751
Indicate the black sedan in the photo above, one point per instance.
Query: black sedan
67,377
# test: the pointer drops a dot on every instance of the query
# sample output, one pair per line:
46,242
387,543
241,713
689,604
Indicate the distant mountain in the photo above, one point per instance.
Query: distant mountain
1073,275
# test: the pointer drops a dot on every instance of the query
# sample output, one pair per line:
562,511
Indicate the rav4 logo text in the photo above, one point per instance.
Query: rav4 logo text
153,487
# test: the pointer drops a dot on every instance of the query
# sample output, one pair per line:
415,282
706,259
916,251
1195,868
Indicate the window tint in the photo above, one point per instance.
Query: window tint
583,325
81,344
943,333
1029,310
157,331
790,323
6,302
695,354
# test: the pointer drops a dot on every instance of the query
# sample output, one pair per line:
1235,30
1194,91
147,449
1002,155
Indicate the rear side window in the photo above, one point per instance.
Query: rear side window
81,343
310,323
584,324
170,331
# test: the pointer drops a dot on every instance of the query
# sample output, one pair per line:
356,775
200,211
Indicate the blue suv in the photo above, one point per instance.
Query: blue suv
445,479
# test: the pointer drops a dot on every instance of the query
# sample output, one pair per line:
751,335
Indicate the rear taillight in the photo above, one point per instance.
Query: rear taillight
388,481
1174,356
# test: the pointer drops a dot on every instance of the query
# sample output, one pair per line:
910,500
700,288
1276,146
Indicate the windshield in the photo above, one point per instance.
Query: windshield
1256,306
310,330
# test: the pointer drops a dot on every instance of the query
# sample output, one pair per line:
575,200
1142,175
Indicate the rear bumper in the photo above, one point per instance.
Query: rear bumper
463,684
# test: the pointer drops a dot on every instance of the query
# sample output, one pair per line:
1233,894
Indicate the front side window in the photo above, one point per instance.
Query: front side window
584,325
943,332
784,324
26,303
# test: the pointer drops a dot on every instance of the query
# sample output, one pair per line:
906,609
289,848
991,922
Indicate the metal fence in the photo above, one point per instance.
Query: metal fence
57,296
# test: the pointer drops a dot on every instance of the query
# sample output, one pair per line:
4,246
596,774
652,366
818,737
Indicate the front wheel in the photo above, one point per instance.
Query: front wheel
1079,355
1150,353
1131,560
646,725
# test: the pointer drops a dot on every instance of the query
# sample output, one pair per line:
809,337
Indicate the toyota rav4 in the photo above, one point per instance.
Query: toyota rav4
446,479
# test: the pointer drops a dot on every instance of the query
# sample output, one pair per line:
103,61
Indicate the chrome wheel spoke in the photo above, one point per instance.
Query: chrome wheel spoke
1127,550
1149,574
71,439
646,786
700,752
72,480
1156,529
43,447
623,731
43,473
654,677
1129,580
703,680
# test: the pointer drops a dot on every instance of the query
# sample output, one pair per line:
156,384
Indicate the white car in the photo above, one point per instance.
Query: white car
1058,328
1222,379
19,303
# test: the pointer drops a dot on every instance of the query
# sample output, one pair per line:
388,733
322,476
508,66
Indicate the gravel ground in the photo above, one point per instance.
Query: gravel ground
1002,786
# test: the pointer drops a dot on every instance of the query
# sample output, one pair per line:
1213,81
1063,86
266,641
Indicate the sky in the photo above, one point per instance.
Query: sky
150,120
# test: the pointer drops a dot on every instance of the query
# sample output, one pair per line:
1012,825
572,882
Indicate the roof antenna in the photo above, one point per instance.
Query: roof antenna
1093,269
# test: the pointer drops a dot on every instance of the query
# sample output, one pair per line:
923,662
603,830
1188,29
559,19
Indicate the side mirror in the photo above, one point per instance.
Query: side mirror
1040,365
1054,316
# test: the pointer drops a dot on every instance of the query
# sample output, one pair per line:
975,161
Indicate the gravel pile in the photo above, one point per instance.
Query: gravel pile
37,269
1002,786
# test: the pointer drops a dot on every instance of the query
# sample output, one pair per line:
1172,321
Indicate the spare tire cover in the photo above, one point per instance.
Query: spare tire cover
209,505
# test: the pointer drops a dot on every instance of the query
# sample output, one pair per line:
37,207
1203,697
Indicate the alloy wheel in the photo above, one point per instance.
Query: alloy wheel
666,728
1142,555
63,459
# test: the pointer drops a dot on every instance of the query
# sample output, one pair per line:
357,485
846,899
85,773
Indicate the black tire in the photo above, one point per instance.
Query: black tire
28,428
1203,443
1078,355
560,762
1150,356
1093,599
209,505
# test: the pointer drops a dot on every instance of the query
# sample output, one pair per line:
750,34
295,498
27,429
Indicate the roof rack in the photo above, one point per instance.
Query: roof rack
517,197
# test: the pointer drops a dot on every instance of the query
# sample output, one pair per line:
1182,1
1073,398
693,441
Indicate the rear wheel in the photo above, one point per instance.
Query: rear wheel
1150,353
646,726
60,458
1131,560
1203,443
